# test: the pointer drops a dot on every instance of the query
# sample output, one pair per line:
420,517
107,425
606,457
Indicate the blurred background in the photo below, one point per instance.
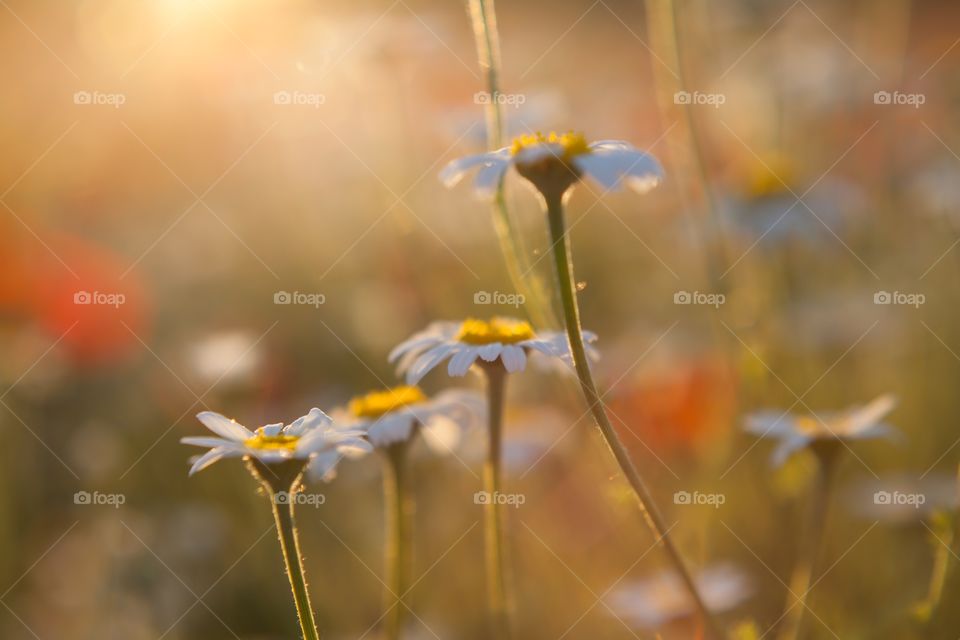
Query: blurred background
232,205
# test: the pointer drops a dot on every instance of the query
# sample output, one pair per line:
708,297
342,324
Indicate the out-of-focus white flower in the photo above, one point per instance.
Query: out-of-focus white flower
303,439
503,339
611,163
655,601
798,431
229,355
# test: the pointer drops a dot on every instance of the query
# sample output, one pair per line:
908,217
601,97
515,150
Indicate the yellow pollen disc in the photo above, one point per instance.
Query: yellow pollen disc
271,443
377,403
573,144
768,178
501,330
808,425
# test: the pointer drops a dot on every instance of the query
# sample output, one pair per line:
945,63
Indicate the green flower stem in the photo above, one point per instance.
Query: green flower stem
290,545
810,544
398,556
484,19
564,267
497,581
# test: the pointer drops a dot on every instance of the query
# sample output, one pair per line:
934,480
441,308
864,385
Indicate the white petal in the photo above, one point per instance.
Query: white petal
324,466
456,170
770,423
489,177
863,417
203,441
210,457
442,434
787,447
274,429
425,363
461,361
390,429
432,335
315,419
224,427
613,167
490,352
514,358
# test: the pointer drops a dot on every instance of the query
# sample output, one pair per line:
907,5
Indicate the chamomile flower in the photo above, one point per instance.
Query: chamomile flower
395,415
559,160
796,432
303,439
499,339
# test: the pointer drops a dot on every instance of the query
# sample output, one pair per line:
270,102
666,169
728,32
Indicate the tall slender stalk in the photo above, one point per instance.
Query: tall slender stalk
810,545
498,591
565,276
483,16
398,512
290,545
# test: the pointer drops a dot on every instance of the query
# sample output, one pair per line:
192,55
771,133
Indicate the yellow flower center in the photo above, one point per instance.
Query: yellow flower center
809,426
573,144
501,330
377,403
271,443
768,178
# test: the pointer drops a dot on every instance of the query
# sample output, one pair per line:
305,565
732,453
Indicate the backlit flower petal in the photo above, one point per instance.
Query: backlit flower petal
223,426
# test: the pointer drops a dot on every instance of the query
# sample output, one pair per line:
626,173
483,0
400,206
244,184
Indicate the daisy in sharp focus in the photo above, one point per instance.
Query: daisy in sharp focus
561,158
303,439
506,340
796,432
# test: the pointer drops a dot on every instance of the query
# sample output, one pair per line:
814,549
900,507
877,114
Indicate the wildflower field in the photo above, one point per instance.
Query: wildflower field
480,321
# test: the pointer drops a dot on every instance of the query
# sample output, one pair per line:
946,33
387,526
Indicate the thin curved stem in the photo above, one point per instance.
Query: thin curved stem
484,19
811,545
398,512
498,592
564,268
290,545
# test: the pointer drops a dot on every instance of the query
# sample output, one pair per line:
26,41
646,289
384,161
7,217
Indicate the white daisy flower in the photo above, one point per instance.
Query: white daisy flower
562,159
504,339
303,439
655,601
798,431
393,416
